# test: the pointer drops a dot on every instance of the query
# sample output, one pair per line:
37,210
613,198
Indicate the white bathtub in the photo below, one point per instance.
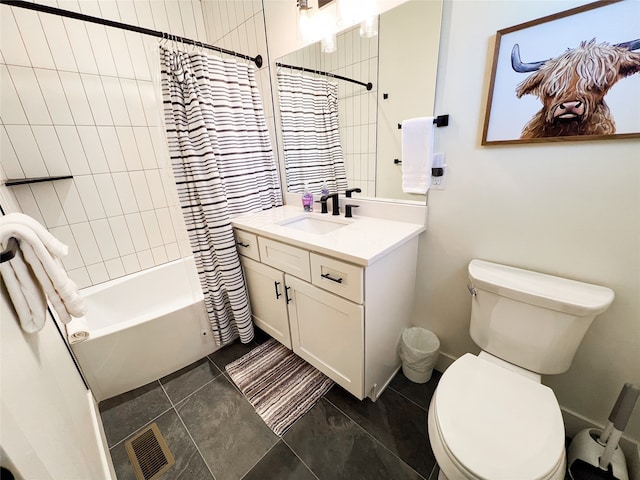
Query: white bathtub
143,326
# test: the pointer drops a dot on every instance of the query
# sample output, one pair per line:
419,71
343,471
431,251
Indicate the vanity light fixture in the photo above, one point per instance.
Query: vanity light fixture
304,19
369,26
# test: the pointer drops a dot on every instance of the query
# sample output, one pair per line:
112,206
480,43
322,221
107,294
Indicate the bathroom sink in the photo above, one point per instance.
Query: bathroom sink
317,225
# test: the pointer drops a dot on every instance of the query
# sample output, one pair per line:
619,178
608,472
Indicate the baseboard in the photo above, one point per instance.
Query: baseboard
574,423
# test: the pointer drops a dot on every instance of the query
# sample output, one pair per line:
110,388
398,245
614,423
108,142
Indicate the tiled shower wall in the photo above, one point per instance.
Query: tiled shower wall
80,99
355,58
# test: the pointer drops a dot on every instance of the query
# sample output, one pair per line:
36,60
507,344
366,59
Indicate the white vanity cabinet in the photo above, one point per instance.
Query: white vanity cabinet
343,318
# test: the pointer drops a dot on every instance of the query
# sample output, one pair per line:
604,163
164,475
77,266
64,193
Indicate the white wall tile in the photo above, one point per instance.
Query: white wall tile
58,42
13,49
80,45
188,20
101,48
141,190
71,201
74,91
145,148
145,17
173,251
138,56
108,194
115,98
121,232
104,238
160,19
93,149
137,232
134,104
11,110
152,228
112,151
156,190
26,84
174,17
129,148
49,145
146,259
89,195
27,202
123,186
115,268
54,96
119,47
159,255
73,150
97,99
166,226
160,147
73,259
86,242
33,37
80,276
98,273
26,149
152,107
10,163
130,263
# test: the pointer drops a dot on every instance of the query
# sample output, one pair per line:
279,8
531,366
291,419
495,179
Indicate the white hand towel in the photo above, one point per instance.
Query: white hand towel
77,330
417,153
40,250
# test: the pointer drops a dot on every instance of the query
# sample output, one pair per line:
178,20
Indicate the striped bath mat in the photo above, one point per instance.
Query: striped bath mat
280,385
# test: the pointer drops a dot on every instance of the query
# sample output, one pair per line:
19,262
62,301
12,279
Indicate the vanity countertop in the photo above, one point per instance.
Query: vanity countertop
362,241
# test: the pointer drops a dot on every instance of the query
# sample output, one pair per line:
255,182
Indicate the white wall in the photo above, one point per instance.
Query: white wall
570,209
79,98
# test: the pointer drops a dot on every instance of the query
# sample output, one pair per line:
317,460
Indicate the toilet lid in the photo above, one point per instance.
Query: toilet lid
496,423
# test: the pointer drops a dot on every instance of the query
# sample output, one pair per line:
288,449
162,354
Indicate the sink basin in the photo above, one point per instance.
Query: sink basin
317,225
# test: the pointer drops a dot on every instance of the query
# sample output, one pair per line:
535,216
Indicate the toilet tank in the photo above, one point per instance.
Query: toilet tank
531,319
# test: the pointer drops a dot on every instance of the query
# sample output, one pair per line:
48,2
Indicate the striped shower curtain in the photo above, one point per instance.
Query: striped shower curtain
310,133
223,165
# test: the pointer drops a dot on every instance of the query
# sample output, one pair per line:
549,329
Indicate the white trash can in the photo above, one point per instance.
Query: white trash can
418,350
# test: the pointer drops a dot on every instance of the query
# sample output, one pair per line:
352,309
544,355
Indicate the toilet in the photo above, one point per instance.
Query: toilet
490,417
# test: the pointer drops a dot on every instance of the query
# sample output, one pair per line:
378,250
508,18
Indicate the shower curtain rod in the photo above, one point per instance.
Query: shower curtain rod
124,26
327,74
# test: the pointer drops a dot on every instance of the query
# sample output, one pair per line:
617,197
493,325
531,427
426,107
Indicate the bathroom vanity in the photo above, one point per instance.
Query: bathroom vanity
338,292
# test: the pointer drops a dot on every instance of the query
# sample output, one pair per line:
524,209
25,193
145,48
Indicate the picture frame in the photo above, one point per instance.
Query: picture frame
533,94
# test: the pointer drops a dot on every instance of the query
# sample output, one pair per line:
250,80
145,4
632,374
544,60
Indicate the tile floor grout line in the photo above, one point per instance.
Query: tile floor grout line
375,439
140,428
185,426
407,398
298,456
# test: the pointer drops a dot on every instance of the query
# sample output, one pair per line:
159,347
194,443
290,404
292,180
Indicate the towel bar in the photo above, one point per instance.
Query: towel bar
10,252
439,121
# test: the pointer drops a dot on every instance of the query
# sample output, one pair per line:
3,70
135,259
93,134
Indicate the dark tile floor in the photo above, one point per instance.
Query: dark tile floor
214,433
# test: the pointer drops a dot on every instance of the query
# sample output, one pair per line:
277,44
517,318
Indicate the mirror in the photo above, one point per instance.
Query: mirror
401,63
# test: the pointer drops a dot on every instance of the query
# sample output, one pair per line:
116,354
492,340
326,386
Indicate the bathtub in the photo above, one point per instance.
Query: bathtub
142,327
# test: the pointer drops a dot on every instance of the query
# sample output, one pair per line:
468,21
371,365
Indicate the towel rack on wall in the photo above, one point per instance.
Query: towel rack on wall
368,85
439,121
125,26
9,252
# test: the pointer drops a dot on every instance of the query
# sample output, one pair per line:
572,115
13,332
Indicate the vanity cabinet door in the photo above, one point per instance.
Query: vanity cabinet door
328,332
268,300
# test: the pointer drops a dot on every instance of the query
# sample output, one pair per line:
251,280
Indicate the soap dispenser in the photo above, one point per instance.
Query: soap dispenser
325,189
307,199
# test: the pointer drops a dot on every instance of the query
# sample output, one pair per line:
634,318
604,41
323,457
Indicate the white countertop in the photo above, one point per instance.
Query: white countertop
362,241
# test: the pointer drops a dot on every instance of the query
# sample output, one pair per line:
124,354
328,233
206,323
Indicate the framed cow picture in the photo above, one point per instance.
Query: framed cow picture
574,75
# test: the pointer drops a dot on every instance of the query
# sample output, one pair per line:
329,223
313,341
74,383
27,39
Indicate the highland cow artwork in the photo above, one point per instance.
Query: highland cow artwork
572,76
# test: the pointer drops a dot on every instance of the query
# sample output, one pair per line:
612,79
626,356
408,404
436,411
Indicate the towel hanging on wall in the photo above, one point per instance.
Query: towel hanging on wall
417,153
36,273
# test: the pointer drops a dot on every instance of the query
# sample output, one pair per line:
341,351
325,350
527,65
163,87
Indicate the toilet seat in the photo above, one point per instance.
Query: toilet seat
497,424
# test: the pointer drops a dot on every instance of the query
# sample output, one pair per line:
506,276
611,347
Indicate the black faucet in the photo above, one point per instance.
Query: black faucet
334,203
351,190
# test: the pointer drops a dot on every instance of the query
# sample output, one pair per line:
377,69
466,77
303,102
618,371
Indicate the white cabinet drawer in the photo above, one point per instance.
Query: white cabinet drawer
285,257
341,278
247,244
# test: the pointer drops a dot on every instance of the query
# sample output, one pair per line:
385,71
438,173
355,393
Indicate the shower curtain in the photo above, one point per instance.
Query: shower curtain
310,133
223,165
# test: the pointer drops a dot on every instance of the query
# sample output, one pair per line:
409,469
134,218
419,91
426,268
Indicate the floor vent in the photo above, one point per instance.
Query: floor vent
149,453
